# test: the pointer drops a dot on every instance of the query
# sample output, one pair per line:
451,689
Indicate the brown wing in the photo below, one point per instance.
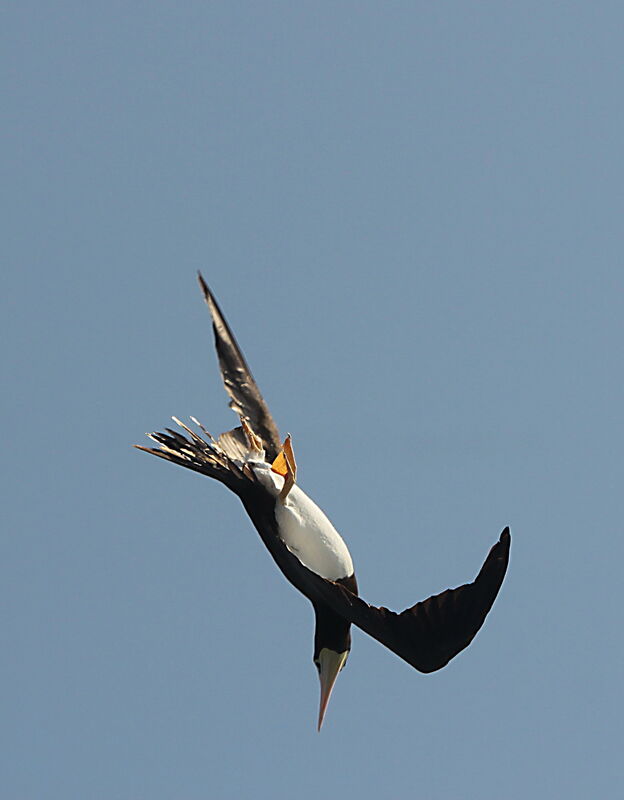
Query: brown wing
429,634
246,399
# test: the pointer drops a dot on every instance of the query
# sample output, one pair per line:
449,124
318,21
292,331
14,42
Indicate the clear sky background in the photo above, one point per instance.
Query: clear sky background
411,214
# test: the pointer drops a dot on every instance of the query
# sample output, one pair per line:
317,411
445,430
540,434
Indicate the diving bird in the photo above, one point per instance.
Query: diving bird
260,468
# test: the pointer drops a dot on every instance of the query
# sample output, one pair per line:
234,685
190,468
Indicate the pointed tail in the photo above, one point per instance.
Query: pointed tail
201,454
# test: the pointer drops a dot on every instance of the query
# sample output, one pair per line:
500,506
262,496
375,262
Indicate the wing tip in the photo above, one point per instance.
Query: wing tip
208,296
218,320
500,550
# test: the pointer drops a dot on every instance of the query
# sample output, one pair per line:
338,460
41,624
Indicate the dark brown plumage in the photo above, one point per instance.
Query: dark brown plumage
246,399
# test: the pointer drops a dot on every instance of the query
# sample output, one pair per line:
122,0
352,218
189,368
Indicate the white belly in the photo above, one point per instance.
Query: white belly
306,531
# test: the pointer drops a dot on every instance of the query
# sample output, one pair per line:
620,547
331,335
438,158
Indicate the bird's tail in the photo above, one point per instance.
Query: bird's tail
221,459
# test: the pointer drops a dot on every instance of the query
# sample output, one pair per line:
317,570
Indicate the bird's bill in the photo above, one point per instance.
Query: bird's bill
330,665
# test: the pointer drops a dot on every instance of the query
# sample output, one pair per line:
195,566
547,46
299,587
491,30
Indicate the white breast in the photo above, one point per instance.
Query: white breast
306,531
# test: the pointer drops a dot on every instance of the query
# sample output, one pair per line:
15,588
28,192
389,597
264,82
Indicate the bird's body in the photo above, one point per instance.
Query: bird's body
253,463
305,529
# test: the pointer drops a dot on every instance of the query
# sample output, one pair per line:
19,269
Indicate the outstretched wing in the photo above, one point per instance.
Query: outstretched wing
246,399
429,634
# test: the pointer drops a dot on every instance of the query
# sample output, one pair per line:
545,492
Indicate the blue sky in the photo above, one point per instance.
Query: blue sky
411,214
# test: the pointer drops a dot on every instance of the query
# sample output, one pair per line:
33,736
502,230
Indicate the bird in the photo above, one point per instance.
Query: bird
260,468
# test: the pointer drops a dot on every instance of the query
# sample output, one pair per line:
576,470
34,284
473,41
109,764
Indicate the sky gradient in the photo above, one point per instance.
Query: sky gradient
411,215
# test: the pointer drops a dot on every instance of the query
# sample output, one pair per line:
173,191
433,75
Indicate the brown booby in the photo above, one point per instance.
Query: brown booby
254,463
